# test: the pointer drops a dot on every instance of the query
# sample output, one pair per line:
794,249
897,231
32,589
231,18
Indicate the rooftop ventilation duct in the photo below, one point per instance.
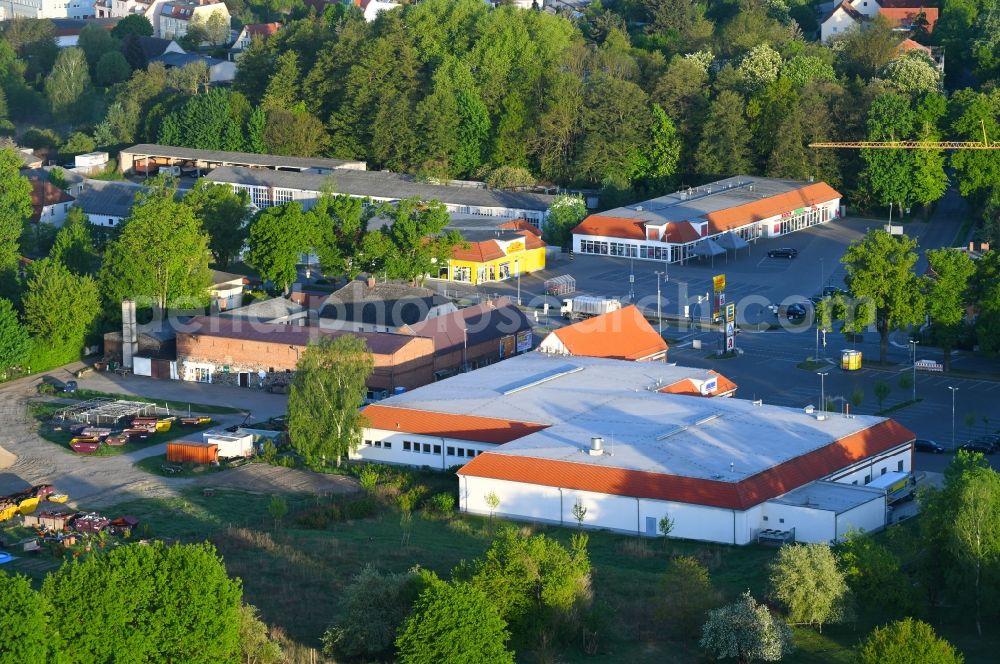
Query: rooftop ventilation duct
596,446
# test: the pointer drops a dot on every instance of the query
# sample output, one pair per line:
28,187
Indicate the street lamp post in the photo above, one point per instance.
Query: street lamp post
822,273
953,390
659,311
913,346
822,390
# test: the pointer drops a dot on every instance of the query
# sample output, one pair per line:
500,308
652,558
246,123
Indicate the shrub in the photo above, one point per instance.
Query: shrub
442,503
368,477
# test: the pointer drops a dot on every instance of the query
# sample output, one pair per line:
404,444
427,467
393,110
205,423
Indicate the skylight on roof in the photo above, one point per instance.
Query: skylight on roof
538,379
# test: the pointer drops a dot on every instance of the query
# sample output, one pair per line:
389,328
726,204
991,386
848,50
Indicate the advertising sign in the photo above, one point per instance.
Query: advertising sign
730,328
730,344
514,247
719,283
730,312
523,341
507,346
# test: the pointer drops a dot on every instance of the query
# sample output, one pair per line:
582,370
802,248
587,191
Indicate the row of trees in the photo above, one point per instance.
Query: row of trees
527,591
887,292
135,603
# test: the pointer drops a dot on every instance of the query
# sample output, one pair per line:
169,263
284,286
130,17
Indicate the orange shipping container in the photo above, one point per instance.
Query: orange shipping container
180,451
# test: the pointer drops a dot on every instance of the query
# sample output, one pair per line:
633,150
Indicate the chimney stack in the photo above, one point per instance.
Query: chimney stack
371,281
130,342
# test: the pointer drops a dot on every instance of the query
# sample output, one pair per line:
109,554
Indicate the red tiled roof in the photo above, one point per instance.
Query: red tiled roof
532,241
742,495
623,335
905,16
687,387
478,252
261,29
748,213
909,45
520,225
446,425
599,224
681,233
848,9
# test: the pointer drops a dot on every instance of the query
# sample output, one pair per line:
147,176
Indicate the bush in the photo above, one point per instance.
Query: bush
41,138
410,500
368,477
442,503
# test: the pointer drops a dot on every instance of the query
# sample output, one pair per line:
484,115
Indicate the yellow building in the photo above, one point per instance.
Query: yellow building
511,253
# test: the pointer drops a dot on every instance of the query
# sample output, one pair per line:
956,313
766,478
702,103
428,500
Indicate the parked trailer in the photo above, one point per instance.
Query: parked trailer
586,306
564,284
193,451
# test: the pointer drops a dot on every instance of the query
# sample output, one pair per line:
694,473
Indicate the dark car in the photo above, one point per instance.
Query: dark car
925,445
58,385
783,252
979,445
830,291
796,311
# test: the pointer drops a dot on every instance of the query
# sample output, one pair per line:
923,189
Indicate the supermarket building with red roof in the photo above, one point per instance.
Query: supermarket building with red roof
546,433
707,220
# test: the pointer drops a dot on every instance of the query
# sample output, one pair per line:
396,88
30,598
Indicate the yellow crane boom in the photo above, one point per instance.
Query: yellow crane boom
984,144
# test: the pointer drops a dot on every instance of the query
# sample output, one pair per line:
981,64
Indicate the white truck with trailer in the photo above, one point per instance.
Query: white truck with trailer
585,306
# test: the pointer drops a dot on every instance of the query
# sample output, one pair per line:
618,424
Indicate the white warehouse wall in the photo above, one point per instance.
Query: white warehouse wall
869,517
875,466
439,460
811,525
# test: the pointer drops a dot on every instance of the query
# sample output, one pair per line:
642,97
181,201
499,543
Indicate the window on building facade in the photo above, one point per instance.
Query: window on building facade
884,470
437,449
451,451
899,466
868,479
427,448
406,446
461,452
387,445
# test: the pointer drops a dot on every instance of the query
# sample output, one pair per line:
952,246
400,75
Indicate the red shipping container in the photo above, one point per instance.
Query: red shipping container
181,451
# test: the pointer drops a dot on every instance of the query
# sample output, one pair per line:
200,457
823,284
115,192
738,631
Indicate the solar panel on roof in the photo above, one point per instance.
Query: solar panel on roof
538,379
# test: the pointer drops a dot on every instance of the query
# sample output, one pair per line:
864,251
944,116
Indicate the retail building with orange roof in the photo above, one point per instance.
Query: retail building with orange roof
633,442
707,220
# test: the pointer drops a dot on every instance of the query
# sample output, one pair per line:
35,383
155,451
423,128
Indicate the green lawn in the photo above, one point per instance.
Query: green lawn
294,575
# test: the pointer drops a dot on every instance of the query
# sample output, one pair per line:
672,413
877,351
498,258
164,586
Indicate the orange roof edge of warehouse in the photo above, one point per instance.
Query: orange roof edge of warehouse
446,425
634,338
763,486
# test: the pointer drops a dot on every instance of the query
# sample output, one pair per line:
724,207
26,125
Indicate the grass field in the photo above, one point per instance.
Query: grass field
61,436
295,575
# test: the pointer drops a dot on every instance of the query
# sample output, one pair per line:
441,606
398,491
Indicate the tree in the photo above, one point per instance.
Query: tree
74,244
947,294
863,53
327,392
77,143
565,213
806,579
24,622
531,579
414,245
890,171
15,208
133,24
746,630
907,641
68,82
880,275
295,133
52,291
256,647
725,139
881,390
492,501
913,73
579,513
664,152
282,92
161,257
976,532
339,224
986,293
759,68
147,603
804,69
874,574
223,214
454,622
509,177
687,596
256,126
112,68
15,345
277,238
974,113
374,606
277,508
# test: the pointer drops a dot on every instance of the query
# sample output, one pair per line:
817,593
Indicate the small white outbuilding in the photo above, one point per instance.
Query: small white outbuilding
231,445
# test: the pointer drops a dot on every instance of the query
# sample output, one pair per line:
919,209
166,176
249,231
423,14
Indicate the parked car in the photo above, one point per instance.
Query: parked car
783,252
278,388
979,445
58,385
796,311
830,291
925,445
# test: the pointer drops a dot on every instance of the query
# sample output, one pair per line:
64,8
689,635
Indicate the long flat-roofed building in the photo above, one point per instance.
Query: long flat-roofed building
146,157
545,433
267,188
707,220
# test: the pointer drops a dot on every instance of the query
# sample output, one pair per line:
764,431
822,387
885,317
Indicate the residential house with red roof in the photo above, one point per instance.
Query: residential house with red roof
707,220
544,434
904,15
250,32
49,203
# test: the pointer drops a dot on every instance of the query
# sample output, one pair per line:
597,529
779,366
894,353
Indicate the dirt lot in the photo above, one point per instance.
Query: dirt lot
27,459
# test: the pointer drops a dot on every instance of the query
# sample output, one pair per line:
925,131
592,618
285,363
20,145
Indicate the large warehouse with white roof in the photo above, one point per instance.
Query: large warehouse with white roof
545,433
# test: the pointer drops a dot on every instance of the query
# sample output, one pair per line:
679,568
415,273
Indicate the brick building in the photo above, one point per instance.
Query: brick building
254,354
